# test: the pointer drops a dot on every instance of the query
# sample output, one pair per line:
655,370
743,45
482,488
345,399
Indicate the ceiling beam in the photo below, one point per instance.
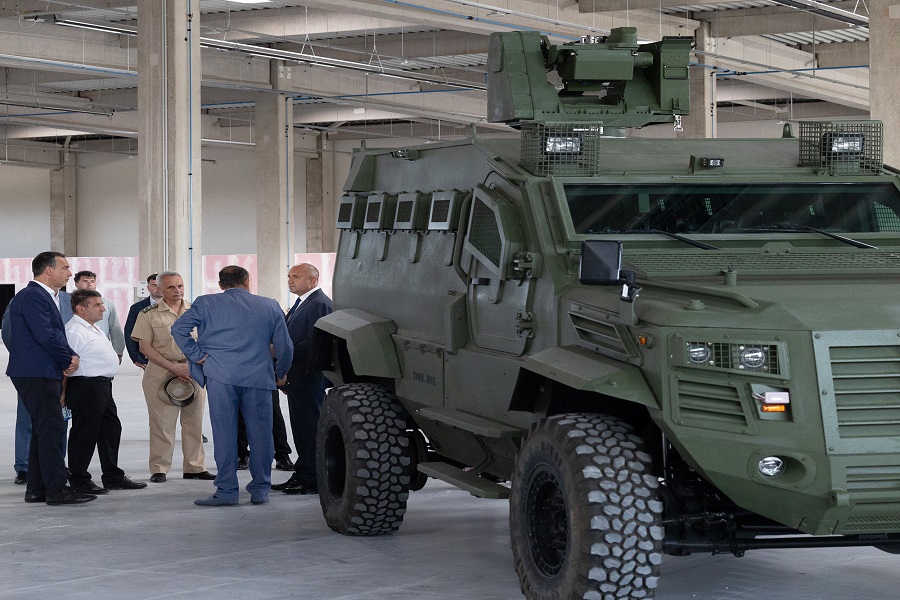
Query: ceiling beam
845,54
762,21
564,23
603,6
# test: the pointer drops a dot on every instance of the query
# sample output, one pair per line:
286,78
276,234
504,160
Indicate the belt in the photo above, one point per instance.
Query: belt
97,378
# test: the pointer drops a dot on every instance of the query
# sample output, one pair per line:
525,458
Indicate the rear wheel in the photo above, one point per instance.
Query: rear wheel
362,460
584,511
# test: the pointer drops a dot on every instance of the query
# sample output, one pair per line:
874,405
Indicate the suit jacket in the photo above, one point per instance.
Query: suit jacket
301,325
133,349
38,346
234,332
6,329
65,306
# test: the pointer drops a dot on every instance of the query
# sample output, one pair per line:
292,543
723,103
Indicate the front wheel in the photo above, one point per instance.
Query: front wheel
584,511
362,460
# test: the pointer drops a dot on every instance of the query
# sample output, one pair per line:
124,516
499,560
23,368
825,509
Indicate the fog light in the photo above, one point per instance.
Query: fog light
771,466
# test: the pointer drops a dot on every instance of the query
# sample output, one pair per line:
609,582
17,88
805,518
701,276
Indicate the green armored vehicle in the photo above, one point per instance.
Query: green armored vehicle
649,346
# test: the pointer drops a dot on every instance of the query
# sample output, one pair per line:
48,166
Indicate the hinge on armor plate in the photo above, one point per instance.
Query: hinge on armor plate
525,323
525,266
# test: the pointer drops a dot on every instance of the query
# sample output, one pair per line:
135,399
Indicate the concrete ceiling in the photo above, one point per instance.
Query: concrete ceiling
773,59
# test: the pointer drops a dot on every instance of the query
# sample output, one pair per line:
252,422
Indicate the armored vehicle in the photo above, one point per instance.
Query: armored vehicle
649,346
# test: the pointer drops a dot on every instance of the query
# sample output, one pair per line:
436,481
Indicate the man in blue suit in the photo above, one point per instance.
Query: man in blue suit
23,419
305,389
131,345
39,355
237,332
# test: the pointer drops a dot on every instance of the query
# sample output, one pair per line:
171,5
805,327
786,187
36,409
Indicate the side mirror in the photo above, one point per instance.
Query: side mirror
601,262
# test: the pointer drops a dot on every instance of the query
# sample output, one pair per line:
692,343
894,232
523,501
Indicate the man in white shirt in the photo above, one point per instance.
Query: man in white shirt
88,393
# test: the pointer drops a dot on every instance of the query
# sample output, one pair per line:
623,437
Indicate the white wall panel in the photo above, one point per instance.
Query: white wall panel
24,211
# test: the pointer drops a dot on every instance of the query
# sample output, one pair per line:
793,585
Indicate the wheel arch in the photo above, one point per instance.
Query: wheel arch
356,345
568,379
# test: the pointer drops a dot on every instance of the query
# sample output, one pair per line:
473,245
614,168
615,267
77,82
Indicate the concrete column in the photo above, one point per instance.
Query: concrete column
329,233
169,191
63,204
274,194
701,123
320,232
884,56
314,197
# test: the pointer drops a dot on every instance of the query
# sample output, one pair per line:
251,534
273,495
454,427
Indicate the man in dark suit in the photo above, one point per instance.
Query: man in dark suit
39,355
237,334
155,296
305,390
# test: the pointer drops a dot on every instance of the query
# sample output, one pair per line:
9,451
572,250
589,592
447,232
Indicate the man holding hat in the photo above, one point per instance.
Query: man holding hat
168,388
237,334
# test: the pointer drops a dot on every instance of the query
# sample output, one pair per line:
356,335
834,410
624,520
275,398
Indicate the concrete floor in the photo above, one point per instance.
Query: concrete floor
154,543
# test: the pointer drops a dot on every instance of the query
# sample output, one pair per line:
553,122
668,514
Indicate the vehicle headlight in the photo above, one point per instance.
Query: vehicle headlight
752,357
699,353
743,357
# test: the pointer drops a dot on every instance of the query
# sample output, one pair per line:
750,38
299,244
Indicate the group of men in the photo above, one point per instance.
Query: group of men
241,347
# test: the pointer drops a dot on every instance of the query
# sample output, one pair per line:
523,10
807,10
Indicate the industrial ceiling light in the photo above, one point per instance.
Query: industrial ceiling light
71,109
251,1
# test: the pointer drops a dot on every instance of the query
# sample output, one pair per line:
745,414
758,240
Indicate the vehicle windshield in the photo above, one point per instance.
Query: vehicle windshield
734,208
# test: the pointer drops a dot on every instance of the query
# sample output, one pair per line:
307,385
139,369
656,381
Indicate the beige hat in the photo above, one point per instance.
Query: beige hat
177,392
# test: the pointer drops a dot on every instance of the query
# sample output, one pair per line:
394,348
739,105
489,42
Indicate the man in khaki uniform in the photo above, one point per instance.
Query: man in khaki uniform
152,331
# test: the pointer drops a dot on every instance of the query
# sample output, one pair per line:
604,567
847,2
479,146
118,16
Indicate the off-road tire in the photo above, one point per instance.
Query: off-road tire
362,460
584,511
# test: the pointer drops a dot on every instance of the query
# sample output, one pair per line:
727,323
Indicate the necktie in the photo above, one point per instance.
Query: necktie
293,309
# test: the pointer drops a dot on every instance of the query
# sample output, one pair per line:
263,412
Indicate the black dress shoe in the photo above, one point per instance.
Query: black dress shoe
284,463
68,496
201,475
243,463
303,489
21,478
125,484
158,478
34,496
89,487
292,482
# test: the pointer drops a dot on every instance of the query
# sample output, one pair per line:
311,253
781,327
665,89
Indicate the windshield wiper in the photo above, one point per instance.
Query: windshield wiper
798,228
674,236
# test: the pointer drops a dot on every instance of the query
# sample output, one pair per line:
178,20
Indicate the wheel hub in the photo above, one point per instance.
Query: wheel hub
548,525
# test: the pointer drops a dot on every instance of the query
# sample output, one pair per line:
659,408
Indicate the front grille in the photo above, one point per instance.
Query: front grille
866,390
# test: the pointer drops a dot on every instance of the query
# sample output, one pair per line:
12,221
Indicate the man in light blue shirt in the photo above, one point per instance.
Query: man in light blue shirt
237,334
109,324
